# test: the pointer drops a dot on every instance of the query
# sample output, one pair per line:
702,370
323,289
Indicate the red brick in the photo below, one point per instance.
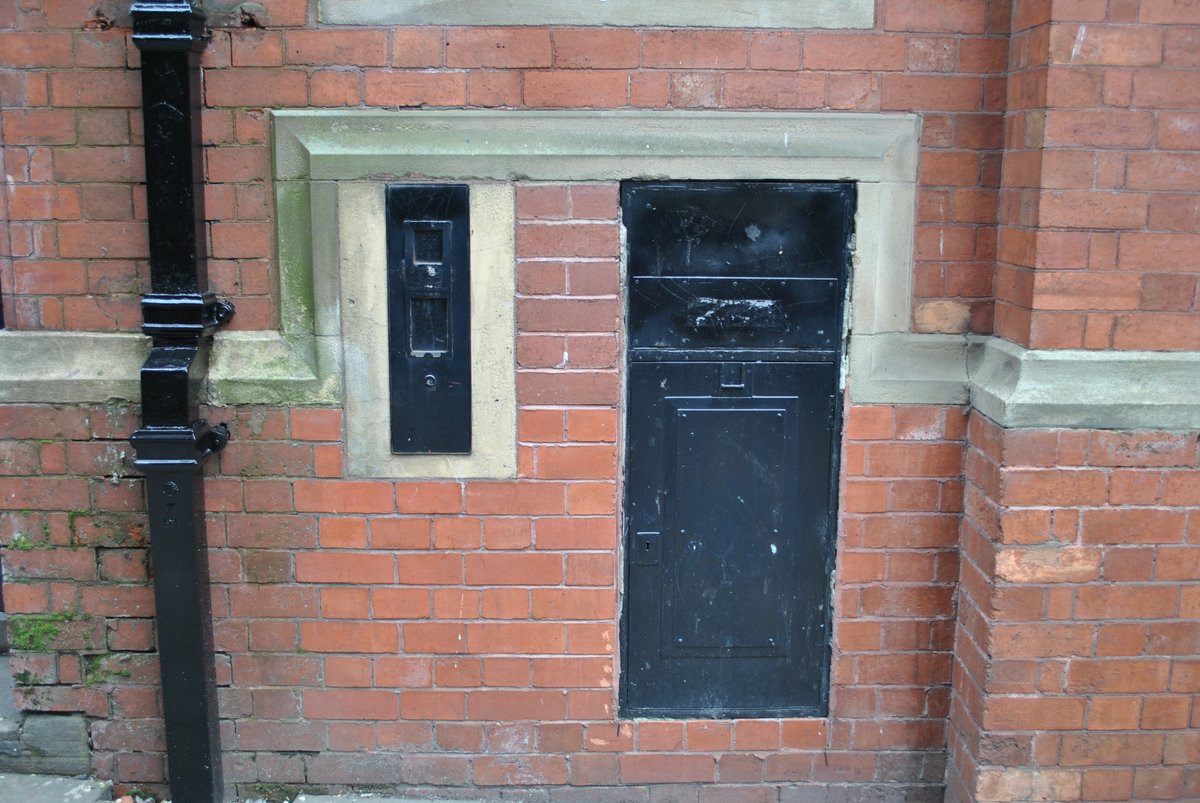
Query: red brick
417,47
255,88
230,164
1133,525
43,493
1109,45
433,705
576,462
316,424
1053,487
328,496
49,277
770,90
1093,209
853,52
273,602
73,564
429,497
869,423
1105,784
590,570
335,88
343,567
400,533
1164,713
536,201
1163,171
522,569
35,49
1065,290
500,705
350,637
1111,749
570,239
576,533
519,771
415,88
516,638
103,240
910,531
913,460
1030,640
600,89
1160,252
980,55
1169,11
1126,602
1167,214
39,126
666,768
498,47
345,603
1157,331
694,49
649,89
351,704
435,569
360,47
255,47
118,600
1166,89
566,315
518,498
276,670
1180,48
930,93
907,601
343,532
959,16
596,48
573,603
774,50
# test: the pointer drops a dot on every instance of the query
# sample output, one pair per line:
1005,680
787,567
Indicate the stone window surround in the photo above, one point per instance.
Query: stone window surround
324,161
320,155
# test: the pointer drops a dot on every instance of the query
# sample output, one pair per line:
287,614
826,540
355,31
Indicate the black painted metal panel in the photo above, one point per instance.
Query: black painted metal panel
733,418
767,229
429,317
734,314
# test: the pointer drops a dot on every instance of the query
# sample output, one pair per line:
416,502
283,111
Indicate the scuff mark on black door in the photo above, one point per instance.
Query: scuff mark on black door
736,295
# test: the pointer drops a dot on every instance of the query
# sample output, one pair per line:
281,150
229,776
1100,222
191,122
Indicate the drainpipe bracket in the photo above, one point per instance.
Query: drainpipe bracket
178,448
178,316
169,26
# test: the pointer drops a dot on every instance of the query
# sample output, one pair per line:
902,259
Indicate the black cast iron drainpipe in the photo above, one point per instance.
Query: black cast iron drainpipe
180,315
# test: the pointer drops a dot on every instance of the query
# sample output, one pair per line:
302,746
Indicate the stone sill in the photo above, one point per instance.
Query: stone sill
1014,386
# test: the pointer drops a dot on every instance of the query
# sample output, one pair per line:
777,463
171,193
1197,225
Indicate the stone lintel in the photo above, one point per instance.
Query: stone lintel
627,13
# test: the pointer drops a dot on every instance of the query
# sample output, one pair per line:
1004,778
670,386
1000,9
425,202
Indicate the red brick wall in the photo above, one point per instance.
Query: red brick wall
1098,219
451,633
1078,644
72,128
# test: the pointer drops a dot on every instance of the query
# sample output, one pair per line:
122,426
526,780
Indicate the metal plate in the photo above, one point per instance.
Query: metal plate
735,315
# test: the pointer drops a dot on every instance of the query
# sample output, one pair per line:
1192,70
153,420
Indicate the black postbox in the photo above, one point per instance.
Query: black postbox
735,304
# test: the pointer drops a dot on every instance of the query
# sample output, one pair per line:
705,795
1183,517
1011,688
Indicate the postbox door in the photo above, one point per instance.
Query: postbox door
731,438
